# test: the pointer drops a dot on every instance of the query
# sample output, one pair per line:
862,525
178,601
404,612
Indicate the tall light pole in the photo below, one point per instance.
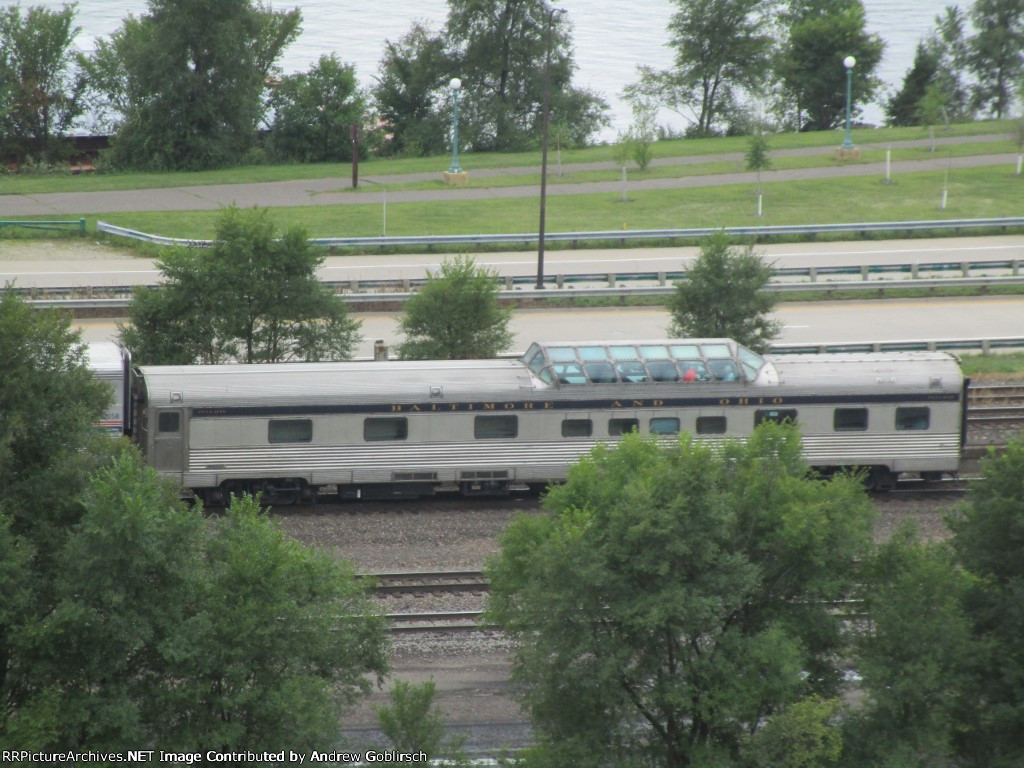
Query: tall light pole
455,85
544,148
848,62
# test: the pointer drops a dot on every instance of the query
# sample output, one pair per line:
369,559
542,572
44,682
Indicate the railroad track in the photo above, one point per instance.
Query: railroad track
428,582
438,621
995,404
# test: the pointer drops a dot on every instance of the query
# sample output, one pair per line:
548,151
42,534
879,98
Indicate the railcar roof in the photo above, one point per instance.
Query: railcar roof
318,383
934,371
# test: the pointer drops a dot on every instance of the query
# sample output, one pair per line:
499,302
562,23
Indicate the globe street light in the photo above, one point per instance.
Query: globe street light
848,62
455,85
544,148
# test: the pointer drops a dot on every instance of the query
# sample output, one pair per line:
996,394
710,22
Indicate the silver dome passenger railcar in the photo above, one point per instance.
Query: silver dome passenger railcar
294,431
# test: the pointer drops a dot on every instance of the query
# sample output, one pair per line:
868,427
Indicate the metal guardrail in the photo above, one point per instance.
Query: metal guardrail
858,275
47,225
905,345
357,299
622,236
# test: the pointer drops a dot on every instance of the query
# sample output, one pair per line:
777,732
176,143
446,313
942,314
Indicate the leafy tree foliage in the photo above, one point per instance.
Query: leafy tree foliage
914,657
721,47
411,93
673,599
902,108
456,315
497,48
722,296
170,629
314,111
41,96
414,723
253,297
821,33
996,53
186,80
989,537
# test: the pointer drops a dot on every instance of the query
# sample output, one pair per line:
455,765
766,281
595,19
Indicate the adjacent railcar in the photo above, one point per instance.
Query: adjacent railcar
111,364
294,431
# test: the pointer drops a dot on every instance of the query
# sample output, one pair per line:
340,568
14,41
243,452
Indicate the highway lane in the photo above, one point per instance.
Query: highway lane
803,322
101,265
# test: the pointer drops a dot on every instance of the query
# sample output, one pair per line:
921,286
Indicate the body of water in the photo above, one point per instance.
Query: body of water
611,38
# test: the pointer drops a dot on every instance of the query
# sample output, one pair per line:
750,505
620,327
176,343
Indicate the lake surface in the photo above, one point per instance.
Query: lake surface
611,38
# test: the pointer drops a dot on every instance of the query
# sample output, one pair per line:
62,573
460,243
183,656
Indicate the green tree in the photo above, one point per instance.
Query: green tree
721,47
170,629
821,34
41,95
457,315
498,47
932,108
674,598
996,53
757,159
287,639
642,134
988,539
722,296
410,94
49,405
185,81
913,657
903,107
414,723
313,112
253,297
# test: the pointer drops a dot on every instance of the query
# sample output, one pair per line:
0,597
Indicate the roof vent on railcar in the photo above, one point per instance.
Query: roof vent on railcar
665,361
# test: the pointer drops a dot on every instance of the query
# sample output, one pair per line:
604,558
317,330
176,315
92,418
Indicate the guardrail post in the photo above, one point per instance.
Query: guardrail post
1015,266
965,267
560,281
661,278
864,270
985,346
354,286
913,271
611,279
509,283
81,226
813,274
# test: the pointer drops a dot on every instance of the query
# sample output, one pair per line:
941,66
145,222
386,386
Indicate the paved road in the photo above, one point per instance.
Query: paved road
811,322
337,191
21,262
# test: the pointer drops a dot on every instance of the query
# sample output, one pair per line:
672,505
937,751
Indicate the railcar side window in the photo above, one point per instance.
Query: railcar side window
913,418
667,425
577,428
850,419
631,371
601,373
169,421
385,429
622,426
569,373
663,371
711,425
778,416
723,370
290,431
494,427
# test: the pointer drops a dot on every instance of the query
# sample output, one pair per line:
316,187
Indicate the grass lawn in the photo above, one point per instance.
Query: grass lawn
973,193
873,141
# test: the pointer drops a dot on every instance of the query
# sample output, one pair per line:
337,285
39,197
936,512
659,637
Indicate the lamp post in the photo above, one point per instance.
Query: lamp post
455,85
848,62
544,148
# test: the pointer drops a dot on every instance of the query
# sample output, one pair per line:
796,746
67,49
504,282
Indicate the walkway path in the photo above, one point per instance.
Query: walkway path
337,191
